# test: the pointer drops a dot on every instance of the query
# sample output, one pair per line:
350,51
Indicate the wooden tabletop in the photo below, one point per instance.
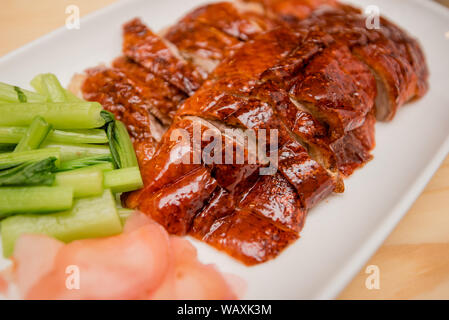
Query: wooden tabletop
412,263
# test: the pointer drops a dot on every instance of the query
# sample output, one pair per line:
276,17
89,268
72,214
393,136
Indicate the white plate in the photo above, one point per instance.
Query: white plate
345,230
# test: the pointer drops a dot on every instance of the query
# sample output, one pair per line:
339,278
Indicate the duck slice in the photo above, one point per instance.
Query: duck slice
143,46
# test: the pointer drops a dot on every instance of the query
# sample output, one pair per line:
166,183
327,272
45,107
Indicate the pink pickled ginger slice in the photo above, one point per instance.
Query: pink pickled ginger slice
143,262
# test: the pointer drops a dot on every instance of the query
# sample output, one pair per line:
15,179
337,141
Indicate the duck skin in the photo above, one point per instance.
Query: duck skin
311,75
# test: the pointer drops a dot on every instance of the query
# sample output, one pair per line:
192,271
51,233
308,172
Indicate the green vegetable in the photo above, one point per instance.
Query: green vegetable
62,115
33,137
85,183
85,162
71,97
34,199
13,135
122,150
124,214
20,94
89,218
13,159
34,173
102,166
124,146
76,151
48,85
10,93
123,180
106,166
78,136
6,147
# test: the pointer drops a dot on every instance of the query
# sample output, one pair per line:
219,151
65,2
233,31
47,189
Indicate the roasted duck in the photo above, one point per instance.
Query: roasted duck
308,72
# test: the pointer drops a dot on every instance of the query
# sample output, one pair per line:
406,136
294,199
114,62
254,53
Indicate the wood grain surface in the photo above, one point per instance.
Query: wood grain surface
413,262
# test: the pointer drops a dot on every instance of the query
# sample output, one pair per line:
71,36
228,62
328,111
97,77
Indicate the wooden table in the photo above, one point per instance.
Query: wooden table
414,260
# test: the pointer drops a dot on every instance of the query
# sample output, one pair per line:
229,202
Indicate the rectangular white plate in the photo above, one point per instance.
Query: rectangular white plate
344,231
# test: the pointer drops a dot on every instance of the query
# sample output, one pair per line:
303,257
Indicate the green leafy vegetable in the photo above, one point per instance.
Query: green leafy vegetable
13,159
85,162
107,116
9,93
28,174
122,151
6,147
20,95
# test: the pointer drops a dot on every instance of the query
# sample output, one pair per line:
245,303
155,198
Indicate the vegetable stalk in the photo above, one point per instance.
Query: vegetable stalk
9,93
89,218
12,135
123,180
33,137
67,115
48,85
76,151
85,183
12,159
85,162
34,199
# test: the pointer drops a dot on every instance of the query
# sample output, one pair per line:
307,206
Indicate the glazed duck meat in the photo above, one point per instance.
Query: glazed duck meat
245,115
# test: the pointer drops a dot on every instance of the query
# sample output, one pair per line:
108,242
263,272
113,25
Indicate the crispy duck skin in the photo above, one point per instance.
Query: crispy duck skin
213,31
118,94
304,173
272,211
310,180
159,94
274,198
395,59
307,181
176,205
231,18
353,150
318,77
166,166
241,72
300,121
292,166
149,50
414,53
240,233
211,102
292,11
175,158
216,101
204,45
408,47
337,88
294,159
